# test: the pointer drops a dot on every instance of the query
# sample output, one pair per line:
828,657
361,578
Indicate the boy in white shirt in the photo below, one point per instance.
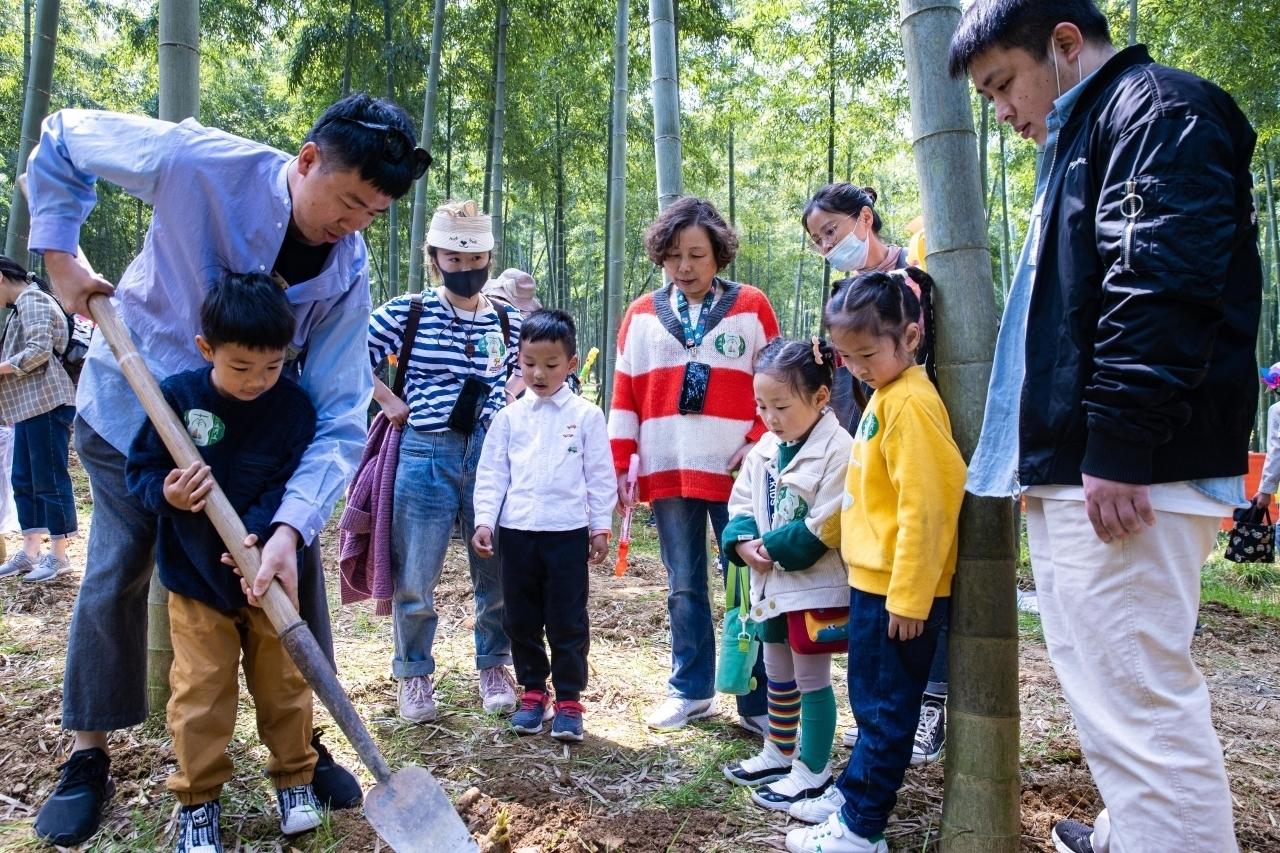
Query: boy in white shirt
546,481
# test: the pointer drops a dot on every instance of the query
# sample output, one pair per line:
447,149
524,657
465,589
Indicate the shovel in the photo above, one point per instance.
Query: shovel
408,808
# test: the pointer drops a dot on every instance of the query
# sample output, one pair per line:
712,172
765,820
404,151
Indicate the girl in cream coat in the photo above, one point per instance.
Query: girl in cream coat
790,483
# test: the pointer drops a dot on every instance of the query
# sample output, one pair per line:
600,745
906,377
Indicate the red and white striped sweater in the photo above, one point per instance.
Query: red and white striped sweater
687,455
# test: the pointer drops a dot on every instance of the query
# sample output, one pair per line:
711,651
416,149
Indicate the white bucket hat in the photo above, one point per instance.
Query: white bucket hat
460,228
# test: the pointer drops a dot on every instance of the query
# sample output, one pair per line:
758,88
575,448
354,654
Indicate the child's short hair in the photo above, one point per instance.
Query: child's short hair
248,309
805,366
550,324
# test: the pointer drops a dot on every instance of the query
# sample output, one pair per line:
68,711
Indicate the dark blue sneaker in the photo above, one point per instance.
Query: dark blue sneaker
1072,836
568,722
73,812
535,709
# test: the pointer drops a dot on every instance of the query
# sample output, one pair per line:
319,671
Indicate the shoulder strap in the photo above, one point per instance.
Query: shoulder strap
502,306
406,344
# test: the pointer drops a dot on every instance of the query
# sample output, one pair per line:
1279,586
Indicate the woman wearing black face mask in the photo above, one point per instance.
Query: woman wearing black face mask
464,350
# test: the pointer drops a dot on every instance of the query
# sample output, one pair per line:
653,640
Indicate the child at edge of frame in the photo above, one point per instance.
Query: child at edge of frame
251,430
545,484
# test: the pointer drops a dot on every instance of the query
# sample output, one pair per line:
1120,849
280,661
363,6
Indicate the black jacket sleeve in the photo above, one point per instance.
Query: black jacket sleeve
1166,228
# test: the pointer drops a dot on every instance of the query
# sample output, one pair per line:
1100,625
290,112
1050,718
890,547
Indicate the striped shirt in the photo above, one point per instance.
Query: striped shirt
438,363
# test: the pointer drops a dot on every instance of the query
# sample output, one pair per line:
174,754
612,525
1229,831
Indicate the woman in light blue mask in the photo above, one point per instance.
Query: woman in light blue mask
844,228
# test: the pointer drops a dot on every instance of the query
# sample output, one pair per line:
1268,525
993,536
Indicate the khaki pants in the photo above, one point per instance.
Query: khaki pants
202,709
1118,619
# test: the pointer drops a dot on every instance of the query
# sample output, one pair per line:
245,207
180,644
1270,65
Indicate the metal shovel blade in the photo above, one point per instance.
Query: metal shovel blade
411,813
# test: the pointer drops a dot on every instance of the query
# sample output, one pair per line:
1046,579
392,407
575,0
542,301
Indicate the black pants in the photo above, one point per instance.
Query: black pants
544,583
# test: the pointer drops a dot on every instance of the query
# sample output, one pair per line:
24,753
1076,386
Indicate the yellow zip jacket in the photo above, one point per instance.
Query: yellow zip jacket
897,529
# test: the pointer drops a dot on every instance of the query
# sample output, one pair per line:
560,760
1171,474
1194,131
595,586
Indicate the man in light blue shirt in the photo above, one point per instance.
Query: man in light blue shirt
220,203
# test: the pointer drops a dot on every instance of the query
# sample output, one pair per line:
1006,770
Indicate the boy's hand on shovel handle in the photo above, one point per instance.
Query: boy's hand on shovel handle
186,488
278,560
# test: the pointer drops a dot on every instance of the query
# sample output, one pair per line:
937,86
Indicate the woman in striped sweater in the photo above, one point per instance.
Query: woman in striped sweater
683,401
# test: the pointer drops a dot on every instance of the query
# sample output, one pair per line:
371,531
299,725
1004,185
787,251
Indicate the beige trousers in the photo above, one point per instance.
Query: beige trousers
1118,620
207,646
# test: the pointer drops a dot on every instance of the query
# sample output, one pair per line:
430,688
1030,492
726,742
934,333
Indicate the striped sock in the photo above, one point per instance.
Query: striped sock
784,715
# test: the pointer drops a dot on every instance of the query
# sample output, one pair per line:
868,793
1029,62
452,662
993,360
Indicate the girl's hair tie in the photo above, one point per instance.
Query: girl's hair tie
817,350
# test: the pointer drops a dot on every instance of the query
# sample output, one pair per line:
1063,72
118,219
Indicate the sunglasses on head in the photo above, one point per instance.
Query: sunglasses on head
397,146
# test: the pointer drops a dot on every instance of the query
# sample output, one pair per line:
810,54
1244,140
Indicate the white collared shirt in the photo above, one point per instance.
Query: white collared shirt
546,465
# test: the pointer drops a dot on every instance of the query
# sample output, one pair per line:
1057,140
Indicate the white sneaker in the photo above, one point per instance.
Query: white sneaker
417,699
764,767
675,713
497,690
757,725
198,830
800,784
817,809
850,737
17,564
48,568
832,837
299,809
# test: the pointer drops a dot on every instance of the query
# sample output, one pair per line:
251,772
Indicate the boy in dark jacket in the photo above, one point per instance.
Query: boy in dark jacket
1122,395
251,430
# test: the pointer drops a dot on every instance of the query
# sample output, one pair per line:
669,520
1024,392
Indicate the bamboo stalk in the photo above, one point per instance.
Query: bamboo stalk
666,101
617,202
980,806
418,226
35,106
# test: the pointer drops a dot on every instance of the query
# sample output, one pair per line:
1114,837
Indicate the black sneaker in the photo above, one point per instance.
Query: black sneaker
73,812
931,731
198,829
1072,836
334,785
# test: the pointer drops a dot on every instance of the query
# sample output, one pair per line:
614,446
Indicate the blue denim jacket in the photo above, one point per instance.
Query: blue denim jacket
219,203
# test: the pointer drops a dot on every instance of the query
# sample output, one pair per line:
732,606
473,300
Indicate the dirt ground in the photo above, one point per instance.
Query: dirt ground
625,788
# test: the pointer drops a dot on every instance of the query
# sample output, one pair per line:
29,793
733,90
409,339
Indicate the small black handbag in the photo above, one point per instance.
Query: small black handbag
1253,536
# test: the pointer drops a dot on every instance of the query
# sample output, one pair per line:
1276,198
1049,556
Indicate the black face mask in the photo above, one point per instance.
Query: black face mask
466,283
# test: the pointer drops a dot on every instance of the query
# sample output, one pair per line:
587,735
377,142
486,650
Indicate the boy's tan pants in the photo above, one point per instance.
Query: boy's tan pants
202,709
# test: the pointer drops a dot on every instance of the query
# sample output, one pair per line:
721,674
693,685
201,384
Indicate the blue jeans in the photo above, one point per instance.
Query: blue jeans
434,484
682,539
940,669
41,484
886,678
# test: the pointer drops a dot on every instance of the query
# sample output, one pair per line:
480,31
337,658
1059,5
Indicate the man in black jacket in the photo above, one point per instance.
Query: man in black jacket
1122,394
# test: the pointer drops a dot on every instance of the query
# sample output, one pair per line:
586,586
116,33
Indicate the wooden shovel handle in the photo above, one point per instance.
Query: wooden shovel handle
293,632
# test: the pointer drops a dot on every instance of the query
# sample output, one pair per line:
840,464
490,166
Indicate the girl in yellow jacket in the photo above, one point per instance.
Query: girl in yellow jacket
897,537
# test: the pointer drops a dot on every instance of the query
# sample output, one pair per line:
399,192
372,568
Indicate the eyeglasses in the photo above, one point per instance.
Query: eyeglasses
397,146
827,234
